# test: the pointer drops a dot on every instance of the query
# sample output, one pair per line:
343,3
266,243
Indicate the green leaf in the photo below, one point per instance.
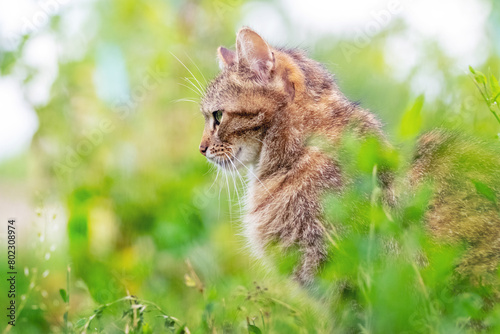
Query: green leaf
495,98
254,329
480,77
472,70
81,323
412,119
64,295
486,191
495,87
7,62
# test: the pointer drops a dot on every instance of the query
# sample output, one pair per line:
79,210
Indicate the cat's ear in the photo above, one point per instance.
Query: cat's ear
254,53
226,57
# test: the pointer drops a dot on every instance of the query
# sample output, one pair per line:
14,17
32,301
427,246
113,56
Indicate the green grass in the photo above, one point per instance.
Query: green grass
148,239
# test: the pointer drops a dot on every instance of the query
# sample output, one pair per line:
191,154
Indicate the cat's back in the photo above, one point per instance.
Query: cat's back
464,174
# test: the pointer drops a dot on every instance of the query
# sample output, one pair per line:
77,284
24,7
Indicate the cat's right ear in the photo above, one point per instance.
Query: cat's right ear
226,57
254,53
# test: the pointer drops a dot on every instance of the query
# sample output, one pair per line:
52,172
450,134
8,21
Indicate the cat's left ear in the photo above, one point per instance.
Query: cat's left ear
254,53
226,57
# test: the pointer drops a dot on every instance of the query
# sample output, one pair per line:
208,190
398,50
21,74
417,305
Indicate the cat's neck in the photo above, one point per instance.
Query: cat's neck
316,107
285,141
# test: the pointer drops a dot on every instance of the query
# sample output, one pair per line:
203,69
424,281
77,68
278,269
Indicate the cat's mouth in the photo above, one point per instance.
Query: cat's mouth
228,160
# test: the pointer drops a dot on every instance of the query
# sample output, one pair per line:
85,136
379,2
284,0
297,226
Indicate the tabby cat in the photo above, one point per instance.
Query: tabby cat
260,113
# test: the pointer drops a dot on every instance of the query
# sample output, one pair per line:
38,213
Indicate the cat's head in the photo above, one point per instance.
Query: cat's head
241,103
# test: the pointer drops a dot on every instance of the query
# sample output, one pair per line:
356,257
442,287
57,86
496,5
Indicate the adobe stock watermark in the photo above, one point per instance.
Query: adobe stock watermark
127,105
420,320
222,7
363,37
74,155
47,9
201,200
205,196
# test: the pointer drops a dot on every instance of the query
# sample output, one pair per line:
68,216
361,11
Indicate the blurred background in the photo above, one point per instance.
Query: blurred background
99,134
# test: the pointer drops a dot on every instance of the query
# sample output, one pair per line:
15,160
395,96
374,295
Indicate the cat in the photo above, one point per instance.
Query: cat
261,112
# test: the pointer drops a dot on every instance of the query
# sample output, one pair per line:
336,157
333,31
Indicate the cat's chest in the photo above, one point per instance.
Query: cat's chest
252,201
259,212
252,219
262,197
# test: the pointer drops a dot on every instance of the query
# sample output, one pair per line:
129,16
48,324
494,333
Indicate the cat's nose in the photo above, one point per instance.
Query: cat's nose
203,149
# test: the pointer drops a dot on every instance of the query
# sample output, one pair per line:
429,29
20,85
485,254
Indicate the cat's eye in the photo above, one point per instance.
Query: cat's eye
217,116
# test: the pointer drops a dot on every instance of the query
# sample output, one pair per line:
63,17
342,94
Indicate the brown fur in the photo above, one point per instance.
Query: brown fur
273,112
457,210
272,101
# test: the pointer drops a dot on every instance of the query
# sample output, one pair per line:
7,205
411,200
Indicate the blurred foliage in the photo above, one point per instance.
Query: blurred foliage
490,91
151,244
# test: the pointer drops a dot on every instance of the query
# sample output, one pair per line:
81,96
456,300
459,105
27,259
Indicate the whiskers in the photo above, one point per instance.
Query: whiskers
235,173
187,100
192,83
231,174
252,173
232,181
196,85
